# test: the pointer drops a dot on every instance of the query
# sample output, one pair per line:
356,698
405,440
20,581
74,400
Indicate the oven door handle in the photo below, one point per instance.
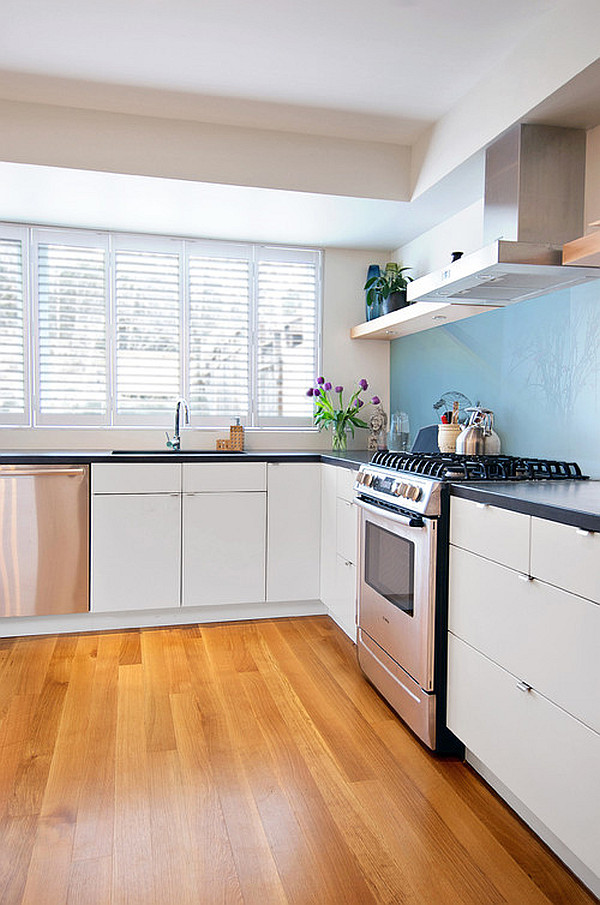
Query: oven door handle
412,521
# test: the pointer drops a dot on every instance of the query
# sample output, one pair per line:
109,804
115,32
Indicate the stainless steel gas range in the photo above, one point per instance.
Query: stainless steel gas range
403,500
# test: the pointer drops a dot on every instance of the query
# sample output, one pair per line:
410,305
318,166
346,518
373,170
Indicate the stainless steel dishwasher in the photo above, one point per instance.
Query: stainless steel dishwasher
44,539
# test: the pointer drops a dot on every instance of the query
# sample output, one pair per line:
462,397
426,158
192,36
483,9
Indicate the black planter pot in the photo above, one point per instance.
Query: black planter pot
394,302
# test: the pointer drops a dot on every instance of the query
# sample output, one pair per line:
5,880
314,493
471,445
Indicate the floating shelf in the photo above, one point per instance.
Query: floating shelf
415,318
584,251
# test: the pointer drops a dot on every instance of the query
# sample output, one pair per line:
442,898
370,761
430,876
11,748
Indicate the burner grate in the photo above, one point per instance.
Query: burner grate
454,467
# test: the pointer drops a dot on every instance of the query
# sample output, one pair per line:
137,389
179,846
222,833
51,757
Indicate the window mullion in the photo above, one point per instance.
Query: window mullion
253,341
184,342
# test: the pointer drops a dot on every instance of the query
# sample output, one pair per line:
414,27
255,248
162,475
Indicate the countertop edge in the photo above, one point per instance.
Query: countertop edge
65,457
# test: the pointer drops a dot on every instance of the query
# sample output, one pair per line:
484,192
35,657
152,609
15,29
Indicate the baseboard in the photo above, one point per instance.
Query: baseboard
12,627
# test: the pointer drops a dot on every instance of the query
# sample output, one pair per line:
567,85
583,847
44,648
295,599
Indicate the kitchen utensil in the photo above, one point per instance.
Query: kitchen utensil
479,437
447,436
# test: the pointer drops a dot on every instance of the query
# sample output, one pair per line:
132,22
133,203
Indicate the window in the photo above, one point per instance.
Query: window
112,329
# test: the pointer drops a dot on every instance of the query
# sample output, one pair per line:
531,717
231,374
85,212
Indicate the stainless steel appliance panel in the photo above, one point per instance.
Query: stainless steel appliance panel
396,588
44,539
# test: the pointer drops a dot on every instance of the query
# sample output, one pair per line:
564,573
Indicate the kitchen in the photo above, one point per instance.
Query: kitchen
264,765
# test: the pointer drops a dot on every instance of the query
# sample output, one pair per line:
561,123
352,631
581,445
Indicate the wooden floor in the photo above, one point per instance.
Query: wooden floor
239,763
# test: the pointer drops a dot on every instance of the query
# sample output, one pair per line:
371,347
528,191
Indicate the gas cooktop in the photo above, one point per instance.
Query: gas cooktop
453,467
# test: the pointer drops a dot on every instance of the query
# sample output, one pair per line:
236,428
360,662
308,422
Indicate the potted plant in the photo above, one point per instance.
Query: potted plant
388,288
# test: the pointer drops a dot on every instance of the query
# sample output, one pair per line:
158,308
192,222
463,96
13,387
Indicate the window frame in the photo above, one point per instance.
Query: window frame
33,235
14,419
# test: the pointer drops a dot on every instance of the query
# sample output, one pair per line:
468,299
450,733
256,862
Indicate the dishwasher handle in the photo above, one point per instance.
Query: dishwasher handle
23,471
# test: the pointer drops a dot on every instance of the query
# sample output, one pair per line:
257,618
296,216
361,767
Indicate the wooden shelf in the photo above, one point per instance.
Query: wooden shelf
415,318
584,252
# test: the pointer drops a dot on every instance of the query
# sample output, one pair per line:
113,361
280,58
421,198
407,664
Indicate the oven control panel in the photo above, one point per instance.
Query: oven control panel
412,492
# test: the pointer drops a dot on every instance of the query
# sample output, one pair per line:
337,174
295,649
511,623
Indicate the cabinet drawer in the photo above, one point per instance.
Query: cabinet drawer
345,478
346,530
216,477
565,557
544,636
548,759
492,532
145,477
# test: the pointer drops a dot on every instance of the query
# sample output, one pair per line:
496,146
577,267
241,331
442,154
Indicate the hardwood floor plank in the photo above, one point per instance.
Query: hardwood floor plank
239,764
133,865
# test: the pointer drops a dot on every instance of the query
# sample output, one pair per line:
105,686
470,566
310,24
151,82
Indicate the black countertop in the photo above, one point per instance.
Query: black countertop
349,459
570,502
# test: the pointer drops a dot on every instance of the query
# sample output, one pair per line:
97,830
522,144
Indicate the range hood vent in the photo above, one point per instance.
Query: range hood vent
534,200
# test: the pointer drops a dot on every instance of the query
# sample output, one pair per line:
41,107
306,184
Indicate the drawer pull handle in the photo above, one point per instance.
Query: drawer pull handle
523,686
583,533
482,505
522,577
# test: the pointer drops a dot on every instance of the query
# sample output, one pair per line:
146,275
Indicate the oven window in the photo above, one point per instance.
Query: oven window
390,566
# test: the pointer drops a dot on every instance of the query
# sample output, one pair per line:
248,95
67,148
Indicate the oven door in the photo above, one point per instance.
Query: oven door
396,588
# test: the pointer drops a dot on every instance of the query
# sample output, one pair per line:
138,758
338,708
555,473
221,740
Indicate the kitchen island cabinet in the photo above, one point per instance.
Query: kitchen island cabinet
523,670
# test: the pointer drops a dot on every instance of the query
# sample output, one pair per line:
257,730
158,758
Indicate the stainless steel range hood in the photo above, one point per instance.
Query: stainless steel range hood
534,197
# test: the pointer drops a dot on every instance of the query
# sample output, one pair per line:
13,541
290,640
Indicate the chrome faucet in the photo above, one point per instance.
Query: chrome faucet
182,417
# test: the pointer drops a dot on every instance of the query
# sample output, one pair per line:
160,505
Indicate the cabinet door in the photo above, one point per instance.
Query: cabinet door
566,557
342,604
294,494
543,635
546,757
492,532
136,549
346,530
223,548
328,533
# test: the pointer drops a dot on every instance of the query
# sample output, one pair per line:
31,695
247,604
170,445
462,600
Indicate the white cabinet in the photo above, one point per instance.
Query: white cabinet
547,758
566,557
294,507
523,669
224,533
223,548
339,545
136,537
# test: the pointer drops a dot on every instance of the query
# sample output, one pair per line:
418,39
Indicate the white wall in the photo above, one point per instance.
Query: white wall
592,179
344,361
206,152
461,232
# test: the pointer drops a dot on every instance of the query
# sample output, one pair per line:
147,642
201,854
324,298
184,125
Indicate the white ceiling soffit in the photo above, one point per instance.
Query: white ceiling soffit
292,64
82,198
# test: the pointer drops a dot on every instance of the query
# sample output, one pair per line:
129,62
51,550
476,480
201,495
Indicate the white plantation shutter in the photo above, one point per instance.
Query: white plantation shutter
71,329
287,334
147,332
100,328
218,331
13,403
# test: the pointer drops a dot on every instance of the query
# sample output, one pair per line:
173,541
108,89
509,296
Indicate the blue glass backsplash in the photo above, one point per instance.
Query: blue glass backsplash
536,364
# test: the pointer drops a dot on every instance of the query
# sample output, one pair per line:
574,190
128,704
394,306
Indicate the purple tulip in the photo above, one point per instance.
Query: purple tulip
327,386
359,403
317,392
363,383
339,389
320,380
375,400
310,392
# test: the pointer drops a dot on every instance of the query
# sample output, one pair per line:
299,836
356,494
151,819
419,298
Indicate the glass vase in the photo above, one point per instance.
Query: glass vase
339,438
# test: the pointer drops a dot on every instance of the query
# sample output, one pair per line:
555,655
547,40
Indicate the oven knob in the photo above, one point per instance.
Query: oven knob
403,490
368,479
397,489
415,494
360,478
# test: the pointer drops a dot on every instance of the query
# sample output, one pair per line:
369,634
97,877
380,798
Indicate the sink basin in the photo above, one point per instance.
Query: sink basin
178,452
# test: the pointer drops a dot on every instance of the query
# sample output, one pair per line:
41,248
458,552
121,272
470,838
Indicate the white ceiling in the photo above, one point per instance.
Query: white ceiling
383,70
408,61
